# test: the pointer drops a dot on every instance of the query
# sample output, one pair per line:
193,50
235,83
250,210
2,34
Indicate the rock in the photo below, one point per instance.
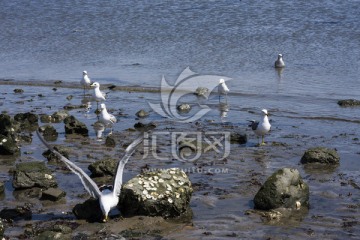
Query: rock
16,213
89,210
26,194
32,174
2,187
238,138
284,188
49,132
53,194
110,141
18,90
47,235
142,114
8,146
349,103
59,116
51,157
105,167
7,125
184,108
320,155
28,121
202,92
163,193
73,126
144,127
2,229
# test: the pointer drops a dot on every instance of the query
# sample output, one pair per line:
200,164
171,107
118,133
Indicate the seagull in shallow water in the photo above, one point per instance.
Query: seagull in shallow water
108,199
262,127
279,63
98,95
106,118
223,89
85,81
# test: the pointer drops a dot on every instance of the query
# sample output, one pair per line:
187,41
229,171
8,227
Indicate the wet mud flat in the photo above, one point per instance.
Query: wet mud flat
224,188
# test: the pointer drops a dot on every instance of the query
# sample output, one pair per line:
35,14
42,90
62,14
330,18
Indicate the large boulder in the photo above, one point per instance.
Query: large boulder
74,126
163,193
33,174
8,146
320,155
284,188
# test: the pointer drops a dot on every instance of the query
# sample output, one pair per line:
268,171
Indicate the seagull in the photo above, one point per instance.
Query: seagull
223,89
85,81
262,127
108,199
279,63
98,96
106,118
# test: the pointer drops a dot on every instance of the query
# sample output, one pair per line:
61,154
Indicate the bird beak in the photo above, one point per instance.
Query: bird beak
91,85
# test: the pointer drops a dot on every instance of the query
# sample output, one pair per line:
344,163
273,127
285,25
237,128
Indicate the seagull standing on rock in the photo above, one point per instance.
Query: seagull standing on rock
262,127
223,89
279,63
98,95
106,118
85,81
107,199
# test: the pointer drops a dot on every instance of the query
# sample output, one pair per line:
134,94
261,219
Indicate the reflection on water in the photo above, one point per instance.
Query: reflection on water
224,108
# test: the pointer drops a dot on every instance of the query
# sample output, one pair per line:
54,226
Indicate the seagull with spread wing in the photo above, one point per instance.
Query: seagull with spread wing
107,199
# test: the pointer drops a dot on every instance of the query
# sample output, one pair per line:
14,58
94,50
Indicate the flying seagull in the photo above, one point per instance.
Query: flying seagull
106,118
85,81
262,127
98,95
279,63
107,199
223,89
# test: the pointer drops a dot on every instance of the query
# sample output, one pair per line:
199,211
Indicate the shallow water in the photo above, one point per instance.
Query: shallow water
223,189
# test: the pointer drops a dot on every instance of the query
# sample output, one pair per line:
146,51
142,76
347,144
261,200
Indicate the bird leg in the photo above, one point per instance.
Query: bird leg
262,142
106,218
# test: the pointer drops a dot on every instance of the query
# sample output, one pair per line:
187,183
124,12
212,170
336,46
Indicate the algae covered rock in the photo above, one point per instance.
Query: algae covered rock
105,167
20,212
284,188
53,194
320,155
349,103
163,193
238,138
49,132
52,157
74,126
28,121
142,114
7,125
8,146
32,174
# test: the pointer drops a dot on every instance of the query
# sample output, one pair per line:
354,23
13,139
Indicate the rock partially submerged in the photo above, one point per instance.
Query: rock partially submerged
74,126
349,103
284,188
163,193
105,167
238,138
88,210
8,146
49,132
52,157
142,114
53,194
28,121
184,108
20,212
32,174
202,92
320,155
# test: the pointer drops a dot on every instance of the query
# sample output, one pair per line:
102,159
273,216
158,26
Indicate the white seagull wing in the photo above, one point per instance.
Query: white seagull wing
88,183
121,164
